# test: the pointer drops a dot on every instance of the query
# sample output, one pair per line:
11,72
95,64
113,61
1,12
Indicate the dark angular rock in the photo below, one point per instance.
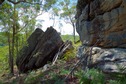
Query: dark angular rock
41,48
25,52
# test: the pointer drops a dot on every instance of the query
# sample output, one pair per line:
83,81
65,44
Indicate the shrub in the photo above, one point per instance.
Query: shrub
92,76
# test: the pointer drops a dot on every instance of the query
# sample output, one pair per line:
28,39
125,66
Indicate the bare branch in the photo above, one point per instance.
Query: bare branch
17,1
24,1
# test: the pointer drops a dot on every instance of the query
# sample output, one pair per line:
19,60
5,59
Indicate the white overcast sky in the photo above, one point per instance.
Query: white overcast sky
66,29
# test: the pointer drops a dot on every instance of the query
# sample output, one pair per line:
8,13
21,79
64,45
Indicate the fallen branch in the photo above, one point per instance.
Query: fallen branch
85,58
62,49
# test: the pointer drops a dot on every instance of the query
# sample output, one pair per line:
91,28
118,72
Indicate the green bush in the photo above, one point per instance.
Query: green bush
33,78
114,82
72,52
69,37
69,54
92,76
3,59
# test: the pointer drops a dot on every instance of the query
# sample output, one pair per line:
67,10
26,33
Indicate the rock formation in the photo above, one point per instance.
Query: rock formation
112,60
104,20
41,48
102,23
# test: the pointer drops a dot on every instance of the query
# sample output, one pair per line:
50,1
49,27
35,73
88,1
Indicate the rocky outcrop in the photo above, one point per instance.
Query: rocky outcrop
103,20
101,24
41,48
111,60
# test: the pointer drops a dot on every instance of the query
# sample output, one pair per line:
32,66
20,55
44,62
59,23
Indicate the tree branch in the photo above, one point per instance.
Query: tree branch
24,1
28,23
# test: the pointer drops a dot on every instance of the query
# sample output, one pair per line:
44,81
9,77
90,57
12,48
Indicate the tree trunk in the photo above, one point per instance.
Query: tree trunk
16,39
17,44
10,51
74,32
11,58
26,33
13,43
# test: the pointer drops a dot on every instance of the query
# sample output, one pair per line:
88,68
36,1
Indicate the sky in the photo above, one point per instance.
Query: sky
65,29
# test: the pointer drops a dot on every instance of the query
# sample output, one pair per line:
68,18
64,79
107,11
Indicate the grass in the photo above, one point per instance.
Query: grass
56,74
69,37
3,52
92,76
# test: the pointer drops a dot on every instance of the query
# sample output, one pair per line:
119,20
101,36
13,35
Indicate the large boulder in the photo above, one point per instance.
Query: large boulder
111,60
101,24
102,20
41,47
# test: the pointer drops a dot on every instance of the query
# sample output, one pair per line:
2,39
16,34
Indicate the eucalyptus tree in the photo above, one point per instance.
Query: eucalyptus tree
19,16
6,21
68,8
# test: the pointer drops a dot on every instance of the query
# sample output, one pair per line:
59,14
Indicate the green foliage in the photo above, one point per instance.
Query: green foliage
59,81
1,82
3,59
69,37
33,78
48,4
49,77
119,79
69,9
64,71
3,39
114,82
92,76
71,53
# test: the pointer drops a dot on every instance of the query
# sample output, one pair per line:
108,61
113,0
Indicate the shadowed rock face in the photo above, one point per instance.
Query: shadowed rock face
41,48
104,20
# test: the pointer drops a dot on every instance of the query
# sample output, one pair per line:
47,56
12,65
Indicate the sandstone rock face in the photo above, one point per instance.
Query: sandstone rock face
111,60
101,24
103,20
41,48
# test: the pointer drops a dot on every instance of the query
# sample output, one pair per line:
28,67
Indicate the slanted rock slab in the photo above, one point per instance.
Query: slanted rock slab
41,48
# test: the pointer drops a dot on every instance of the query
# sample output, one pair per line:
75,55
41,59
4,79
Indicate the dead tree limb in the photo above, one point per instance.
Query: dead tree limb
84,58
62,49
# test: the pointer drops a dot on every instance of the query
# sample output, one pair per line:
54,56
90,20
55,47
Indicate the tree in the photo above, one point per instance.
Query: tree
54,14
68,8
18,17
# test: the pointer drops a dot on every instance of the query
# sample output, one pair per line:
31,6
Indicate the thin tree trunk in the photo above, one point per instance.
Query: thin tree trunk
17,45
74,33
26,33
10,53
16,39
11,58
13,44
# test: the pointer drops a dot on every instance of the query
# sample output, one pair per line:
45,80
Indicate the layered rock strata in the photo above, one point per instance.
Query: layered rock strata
103,20
102,24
